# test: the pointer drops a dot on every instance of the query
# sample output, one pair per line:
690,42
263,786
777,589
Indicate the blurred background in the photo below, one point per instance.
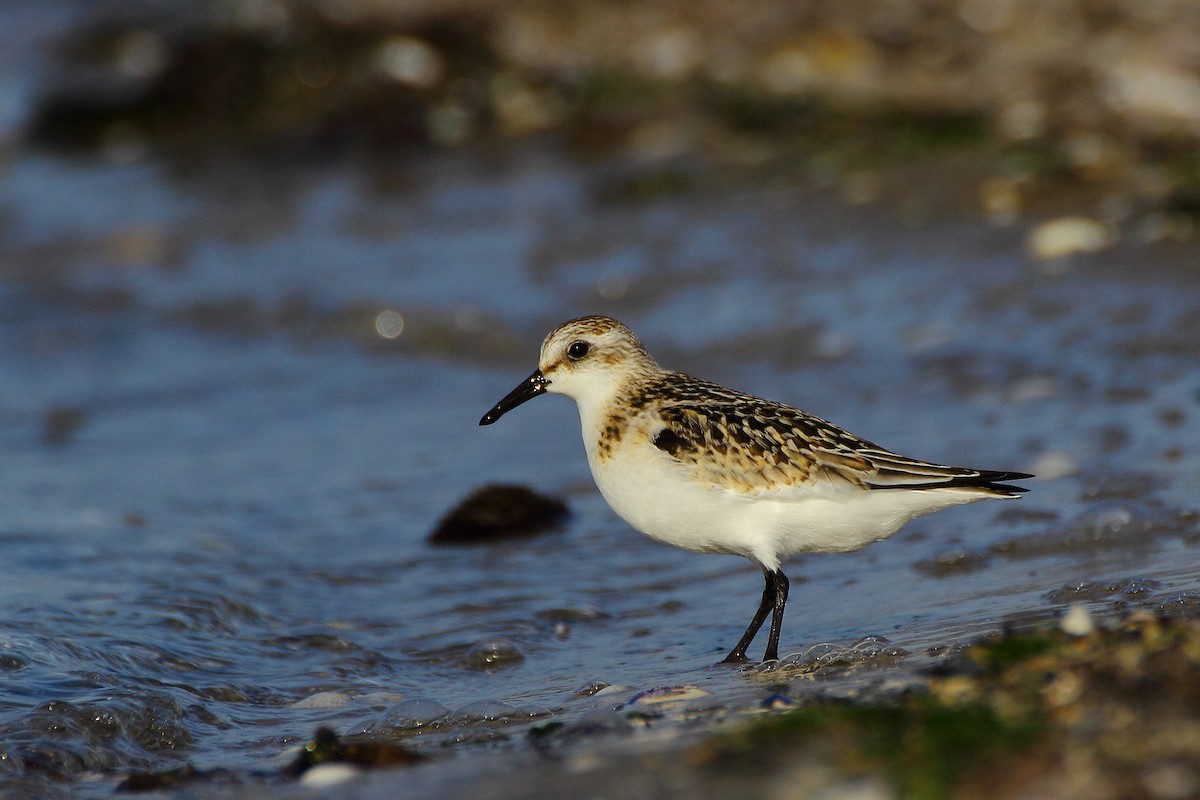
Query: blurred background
264,264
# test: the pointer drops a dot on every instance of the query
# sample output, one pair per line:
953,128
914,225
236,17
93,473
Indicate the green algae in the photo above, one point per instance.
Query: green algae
923,746
1006,718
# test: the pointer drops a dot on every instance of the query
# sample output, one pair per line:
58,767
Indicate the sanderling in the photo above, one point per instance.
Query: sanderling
708,469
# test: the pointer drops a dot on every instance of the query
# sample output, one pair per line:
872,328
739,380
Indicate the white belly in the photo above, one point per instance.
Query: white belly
657,496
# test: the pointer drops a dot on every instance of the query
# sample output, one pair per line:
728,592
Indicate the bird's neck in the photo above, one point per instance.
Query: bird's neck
606,417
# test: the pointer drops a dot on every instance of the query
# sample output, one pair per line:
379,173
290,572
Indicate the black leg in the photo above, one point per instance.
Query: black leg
769,600
781,595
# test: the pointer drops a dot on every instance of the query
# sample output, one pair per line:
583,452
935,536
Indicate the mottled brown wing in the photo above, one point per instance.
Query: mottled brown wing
751,445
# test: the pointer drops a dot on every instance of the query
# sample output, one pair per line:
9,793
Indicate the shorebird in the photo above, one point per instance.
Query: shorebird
712,470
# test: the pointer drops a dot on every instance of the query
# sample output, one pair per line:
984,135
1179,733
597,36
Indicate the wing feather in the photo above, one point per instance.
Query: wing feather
747,444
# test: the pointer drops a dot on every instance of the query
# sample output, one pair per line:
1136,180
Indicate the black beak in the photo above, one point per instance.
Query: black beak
528,389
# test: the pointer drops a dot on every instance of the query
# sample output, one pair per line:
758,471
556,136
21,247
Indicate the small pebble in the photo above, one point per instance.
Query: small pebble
323,700
777,701
328,775
668,694
593,688
1054,464
60,424
1064,236
1077,621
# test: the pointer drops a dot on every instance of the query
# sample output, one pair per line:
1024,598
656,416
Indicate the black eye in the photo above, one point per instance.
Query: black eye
577,350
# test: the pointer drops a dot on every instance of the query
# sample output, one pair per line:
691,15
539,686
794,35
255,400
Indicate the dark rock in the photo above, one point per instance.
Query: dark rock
327,747
497,512
173,778
60,424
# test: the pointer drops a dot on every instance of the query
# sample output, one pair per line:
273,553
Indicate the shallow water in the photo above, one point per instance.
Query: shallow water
218,477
